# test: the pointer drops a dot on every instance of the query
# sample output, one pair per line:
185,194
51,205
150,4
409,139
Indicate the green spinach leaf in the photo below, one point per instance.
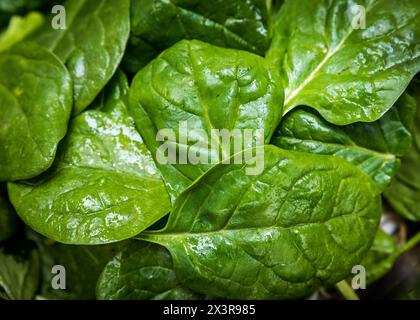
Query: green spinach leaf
103,187
404,192
234,24
91,46
35,106
372,147
205,87
19,28
381,256
19,271
82,265
330,62
142,271
304,222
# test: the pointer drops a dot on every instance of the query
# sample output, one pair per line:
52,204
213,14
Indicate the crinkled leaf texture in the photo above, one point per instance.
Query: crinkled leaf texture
92,44
372,147
142,271
206,87
234,24
348,74
404,192
304,222
104,186
35,107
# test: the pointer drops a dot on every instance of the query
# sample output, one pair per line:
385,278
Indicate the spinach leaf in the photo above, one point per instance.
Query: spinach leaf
302,223
142,271
347,74
83,265
372,147
35,106
103,187
7,219
19,28
234,24
404,192
380,257
8,8
221,89
91,46
19,271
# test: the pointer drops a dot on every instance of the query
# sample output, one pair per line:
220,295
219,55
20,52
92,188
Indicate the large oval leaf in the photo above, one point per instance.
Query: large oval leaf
205,87
304,222
234,24
372,147
104,186
91,45
347,72
35,106
142,271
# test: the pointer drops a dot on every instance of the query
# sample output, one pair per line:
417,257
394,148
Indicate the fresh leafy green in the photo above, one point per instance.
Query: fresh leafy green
221,89
91,46
381,256
19,271
8,8
19,28
234,24
35,106
82,265
404,192
261,237
372,147
7,219
142,271
166,184
103,187
346,72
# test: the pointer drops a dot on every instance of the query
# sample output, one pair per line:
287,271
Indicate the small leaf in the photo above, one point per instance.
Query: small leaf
372,147
142,271
19,271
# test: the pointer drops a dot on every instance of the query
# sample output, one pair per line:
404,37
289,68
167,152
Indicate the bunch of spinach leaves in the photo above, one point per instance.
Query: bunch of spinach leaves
81,107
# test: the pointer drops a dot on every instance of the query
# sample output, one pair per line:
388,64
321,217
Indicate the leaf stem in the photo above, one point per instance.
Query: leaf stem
346,290
414,240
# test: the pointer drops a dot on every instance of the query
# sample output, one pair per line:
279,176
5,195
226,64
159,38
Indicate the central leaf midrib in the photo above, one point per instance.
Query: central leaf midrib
155,235
312,75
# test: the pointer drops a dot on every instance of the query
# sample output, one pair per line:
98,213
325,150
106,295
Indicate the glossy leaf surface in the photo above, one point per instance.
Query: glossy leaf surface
234,24
104,186
348,71
304,222
35,106
372,147
142,271
205,87
91,46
